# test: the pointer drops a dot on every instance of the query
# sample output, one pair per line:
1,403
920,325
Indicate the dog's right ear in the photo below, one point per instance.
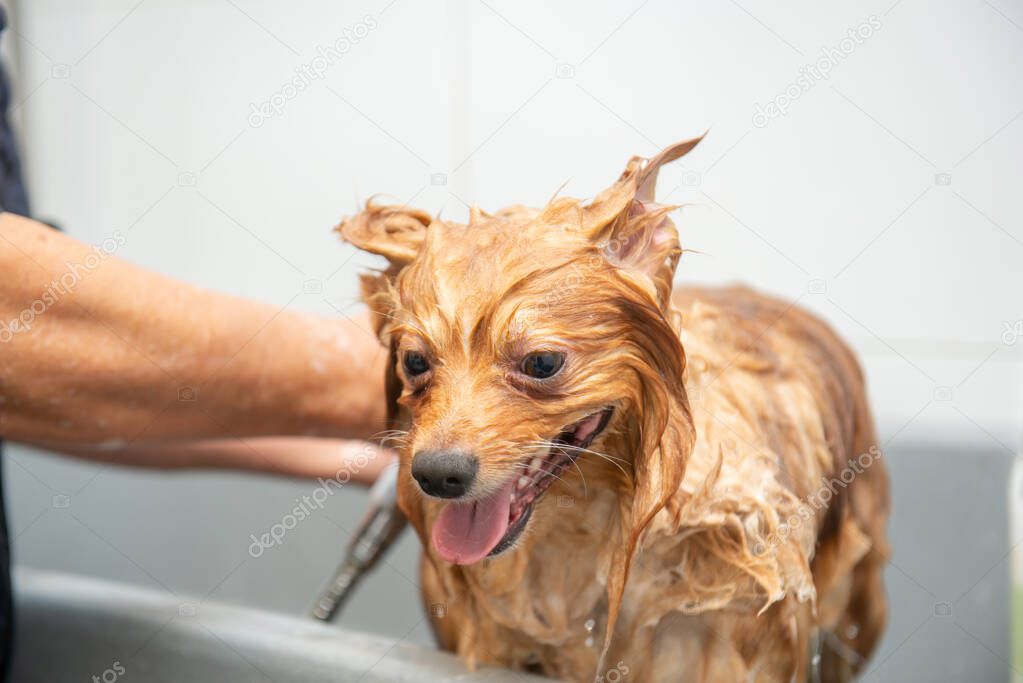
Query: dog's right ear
396,232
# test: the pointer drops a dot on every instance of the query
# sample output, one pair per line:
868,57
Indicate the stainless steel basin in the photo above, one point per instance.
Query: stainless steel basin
78,629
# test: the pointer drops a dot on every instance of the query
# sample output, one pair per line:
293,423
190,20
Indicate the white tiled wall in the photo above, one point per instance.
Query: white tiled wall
838,203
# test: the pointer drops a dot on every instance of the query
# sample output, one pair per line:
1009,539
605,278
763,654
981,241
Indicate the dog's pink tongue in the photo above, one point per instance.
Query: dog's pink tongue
465,533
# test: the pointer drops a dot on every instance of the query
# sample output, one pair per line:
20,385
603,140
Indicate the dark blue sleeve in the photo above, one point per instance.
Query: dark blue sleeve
13,198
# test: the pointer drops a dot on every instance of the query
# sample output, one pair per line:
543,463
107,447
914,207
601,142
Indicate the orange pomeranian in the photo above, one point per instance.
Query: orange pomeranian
613,480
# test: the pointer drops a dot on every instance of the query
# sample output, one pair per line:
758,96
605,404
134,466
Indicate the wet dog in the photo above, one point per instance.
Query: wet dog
614,479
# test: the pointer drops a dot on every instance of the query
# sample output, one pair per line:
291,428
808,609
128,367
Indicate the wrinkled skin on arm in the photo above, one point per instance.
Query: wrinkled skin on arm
102,359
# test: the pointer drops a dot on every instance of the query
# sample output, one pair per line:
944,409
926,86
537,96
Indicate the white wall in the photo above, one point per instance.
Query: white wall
835,204
886,198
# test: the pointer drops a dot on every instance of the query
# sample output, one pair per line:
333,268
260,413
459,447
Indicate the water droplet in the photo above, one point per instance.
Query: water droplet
852,631
816,660
590,623
589,642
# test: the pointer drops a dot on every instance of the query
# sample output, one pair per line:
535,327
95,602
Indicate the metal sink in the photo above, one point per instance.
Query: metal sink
71,628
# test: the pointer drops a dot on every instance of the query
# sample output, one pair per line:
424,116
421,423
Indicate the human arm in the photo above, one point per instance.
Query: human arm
118,354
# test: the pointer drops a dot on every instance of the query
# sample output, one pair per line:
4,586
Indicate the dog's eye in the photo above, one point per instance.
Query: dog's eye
542,364
415,364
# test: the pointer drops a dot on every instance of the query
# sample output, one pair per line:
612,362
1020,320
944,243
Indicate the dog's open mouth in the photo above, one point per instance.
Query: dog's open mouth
465,533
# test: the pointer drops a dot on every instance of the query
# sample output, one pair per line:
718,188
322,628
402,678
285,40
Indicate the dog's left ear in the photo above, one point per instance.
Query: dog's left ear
633,231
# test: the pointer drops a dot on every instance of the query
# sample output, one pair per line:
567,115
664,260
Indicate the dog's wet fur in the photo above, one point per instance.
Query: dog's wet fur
726,522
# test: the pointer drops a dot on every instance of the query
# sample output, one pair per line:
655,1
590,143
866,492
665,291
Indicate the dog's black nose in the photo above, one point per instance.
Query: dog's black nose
444,474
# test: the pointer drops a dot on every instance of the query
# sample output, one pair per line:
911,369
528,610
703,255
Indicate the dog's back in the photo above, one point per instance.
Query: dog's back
768,381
